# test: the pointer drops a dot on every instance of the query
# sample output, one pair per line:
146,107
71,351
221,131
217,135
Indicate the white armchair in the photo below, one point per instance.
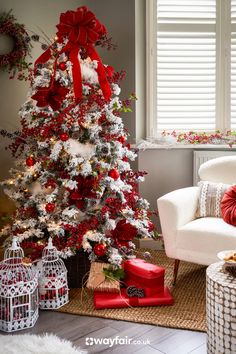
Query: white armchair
196,240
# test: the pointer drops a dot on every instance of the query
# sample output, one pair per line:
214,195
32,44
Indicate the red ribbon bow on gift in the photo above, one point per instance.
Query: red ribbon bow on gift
82,30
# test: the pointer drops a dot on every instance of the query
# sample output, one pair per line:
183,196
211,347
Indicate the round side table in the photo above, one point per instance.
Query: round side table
221,310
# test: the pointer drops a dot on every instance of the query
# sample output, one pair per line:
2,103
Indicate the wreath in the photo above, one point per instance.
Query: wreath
15,61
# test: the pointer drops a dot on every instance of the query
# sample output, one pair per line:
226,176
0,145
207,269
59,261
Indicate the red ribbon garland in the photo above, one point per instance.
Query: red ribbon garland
82,30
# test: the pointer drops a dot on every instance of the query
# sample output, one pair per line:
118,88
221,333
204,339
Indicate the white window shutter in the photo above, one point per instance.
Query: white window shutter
186,65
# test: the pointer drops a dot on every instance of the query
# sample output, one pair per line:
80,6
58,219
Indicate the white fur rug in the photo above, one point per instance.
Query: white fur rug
34,344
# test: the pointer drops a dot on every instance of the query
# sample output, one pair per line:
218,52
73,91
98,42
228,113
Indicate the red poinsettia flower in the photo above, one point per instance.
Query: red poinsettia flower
52,96
85,189
124,231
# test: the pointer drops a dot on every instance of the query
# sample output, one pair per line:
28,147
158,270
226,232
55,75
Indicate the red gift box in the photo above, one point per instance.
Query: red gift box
104,300
144,275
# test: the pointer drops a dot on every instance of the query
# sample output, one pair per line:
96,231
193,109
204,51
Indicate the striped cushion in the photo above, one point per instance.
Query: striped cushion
210,196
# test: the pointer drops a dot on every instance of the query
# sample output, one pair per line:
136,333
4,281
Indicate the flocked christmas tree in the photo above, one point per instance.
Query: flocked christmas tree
73,179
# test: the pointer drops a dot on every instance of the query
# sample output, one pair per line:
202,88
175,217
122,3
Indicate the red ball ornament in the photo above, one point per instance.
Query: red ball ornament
50,207
30,161
62,66
64,136
114,174
99,249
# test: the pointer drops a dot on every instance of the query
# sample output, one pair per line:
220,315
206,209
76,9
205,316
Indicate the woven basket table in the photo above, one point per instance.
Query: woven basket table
221,310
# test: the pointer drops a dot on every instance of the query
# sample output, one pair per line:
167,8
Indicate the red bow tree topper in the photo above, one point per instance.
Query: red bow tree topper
80,27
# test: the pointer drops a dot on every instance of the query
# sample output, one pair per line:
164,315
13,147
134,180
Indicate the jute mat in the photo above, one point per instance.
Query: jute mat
188,311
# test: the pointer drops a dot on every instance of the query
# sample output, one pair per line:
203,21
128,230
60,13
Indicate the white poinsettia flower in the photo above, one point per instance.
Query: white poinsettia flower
74,147
89,74
116,89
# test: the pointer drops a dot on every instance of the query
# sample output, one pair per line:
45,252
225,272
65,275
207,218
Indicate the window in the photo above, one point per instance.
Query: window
191,65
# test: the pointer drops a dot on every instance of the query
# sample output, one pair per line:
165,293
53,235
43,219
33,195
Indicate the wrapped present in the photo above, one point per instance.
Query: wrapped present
104,300
97,281
144,275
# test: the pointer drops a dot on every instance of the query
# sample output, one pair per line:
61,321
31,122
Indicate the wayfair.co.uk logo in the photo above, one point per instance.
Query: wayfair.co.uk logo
114,341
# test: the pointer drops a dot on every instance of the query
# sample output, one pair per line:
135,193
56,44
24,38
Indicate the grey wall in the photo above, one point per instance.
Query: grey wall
119,19
167,170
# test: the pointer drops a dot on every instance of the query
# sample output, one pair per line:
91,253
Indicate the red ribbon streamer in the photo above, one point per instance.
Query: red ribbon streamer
76,72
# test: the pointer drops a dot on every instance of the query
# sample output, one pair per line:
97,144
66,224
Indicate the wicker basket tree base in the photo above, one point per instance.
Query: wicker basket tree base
77,266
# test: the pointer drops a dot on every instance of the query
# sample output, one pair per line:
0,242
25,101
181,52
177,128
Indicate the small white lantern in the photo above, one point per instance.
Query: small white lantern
18,291
53,286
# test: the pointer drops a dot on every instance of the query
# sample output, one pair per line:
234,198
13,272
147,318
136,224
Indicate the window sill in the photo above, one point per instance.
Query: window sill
151,146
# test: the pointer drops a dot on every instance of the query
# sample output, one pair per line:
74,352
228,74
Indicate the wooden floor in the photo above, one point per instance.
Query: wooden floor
77,328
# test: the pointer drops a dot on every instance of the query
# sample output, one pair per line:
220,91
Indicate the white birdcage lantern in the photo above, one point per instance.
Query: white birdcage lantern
18,291
53,286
